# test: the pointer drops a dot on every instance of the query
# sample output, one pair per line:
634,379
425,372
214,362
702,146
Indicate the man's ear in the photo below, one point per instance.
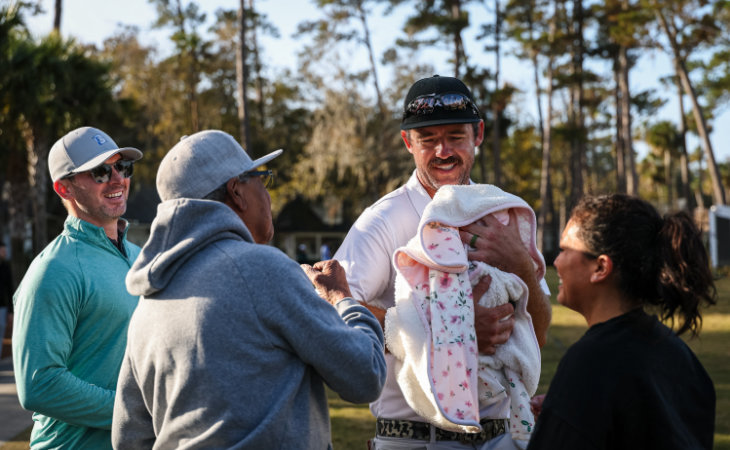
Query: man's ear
404,136
604,268
61,188
479,138
236,199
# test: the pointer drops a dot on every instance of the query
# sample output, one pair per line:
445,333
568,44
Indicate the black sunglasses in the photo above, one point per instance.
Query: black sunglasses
103,173
425,104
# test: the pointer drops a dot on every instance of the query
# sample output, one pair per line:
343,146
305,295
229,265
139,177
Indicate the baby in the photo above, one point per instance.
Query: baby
431,328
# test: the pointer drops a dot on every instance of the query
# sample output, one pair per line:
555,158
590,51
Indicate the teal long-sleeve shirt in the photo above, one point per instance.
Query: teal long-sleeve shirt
72,310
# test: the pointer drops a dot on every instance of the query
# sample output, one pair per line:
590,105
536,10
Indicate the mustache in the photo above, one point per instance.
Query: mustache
450,160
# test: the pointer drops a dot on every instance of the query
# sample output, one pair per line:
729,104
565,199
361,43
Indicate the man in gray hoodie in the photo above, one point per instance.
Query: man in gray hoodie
231,345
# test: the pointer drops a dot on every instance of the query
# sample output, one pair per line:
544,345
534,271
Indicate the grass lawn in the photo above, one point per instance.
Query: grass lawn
353,425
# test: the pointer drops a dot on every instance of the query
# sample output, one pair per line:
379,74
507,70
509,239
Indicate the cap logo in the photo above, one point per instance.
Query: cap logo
99,139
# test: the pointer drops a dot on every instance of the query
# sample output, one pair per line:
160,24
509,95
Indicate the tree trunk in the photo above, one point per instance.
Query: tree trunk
544,231
57,16
192,75
684,156
536,77
632,182
242,80
496,109
257,65
458,43
668,178
699,197
718,192
16,192
382,122
371,58
37,149
620,149
546,204
577,141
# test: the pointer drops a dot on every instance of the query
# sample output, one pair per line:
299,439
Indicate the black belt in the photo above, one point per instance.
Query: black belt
409,429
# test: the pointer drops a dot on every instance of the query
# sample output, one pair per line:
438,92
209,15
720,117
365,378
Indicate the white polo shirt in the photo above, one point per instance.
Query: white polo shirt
366,254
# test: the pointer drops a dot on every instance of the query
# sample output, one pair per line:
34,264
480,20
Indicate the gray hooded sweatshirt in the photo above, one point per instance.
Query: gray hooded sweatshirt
230,346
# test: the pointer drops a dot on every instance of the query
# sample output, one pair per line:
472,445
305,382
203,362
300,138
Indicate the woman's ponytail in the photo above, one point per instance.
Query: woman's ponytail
685,279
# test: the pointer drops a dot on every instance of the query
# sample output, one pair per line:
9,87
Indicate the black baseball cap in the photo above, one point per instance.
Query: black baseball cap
447,101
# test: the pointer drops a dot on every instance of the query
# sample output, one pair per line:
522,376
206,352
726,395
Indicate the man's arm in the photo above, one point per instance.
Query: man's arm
44,323
501,246
348,349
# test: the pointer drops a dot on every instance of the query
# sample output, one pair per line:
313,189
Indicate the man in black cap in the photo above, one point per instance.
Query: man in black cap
441,128
72,308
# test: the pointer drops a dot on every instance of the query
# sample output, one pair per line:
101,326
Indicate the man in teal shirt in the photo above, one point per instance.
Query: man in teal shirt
72,308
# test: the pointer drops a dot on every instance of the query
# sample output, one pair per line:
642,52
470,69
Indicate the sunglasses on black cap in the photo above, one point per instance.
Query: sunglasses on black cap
103,173
425,104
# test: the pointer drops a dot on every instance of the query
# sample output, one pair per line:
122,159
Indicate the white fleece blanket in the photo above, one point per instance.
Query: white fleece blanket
431,328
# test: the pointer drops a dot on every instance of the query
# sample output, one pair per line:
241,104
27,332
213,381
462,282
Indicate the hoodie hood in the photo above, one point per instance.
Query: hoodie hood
181,228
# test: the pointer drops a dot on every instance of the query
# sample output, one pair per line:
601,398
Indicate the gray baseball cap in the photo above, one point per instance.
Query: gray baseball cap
202,162
83,149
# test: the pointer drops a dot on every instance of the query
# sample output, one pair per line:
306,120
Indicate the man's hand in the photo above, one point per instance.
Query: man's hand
328,278
498,245
536,404
493,325
501,246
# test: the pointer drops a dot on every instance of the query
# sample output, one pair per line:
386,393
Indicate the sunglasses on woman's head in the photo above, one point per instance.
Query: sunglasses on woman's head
103,173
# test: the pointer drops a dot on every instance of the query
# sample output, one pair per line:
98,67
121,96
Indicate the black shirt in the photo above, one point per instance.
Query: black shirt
628,383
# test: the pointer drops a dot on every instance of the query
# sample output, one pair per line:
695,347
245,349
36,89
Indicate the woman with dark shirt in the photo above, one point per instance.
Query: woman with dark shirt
630,382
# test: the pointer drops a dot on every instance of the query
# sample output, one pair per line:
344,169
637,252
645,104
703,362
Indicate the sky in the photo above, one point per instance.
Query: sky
91,21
